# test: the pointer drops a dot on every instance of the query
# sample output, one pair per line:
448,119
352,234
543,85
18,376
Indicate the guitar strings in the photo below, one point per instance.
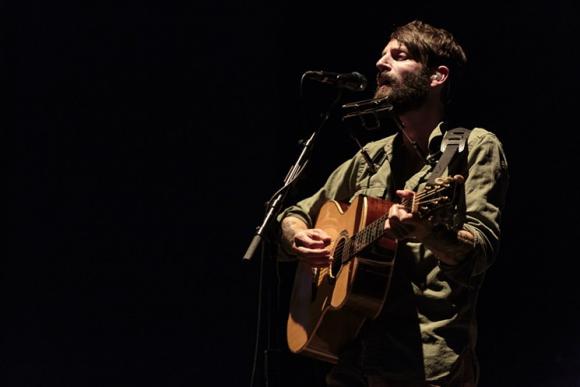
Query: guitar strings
361,239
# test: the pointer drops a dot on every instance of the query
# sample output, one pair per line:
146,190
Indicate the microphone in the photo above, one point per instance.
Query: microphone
351,81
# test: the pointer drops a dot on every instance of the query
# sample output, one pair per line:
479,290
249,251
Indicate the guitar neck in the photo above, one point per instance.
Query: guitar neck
423,203
365,237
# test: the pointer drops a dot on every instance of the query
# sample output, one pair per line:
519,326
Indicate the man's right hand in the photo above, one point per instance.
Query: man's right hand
311,245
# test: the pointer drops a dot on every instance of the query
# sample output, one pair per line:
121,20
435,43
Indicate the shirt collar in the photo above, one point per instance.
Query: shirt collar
434,144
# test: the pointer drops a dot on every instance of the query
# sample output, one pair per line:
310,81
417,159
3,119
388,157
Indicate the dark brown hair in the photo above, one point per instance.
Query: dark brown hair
432,47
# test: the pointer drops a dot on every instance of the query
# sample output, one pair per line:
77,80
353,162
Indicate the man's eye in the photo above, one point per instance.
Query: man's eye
400,55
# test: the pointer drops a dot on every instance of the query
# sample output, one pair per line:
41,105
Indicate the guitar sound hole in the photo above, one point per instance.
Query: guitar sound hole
337,262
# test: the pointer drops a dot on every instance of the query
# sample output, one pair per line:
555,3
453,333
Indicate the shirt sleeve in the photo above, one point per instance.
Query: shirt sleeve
340,186
485,194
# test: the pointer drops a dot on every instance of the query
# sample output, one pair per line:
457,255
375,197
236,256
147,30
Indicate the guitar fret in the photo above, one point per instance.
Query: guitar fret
365,237
348,249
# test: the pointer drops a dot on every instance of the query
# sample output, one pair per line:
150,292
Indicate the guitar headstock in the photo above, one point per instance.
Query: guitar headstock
439,202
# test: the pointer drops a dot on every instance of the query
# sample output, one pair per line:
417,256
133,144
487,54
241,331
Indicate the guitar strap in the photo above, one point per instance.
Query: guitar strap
454,141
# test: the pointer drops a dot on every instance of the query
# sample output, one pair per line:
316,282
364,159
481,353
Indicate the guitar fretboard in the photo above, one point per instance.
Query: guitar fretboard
364,238
372,232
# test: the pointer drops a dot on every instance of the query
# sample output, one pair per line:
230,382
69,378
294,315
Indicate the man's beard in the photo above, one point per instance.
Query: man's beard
408,94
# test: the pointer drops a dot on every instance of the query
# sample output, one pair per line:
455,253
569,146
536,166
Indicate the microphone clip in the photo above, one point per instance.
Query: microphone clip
367,111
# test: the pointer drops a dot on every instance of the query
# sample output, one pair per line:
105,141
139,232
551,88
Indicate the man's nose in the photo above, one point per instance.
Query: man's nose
383,63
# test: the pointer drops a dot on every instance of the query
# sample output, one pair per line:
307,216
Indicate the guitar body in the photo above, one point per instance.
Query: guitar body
326,313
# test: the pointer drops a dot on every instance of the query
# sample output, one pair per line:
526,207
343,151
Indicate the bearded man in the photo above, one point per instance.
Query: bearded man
425,333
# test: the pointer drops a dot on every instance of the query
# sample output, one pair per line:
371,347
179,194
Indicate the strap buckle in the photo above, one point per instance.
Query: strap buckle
454,137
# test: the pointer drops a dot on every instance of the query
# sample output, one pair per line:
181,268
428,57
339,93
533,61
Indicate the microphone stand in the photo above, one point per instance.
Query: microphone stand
275,202
273,208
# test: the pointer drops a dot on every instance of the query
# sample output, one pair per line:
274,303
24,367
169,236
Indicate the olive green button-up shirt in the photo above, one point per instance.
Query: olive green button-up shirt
428,322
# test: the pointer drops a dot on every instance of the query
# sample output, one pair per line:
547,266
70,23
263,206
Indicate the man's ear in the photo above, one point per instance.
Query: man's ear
439,76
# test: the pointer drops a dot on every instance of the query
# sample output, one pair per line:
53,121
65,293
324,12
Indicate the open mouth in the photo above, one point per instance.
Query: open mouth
384,80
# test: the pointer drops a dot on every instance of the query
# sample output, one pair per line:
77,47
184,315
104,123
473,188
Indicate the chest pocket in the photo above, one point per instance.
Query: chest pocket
374,184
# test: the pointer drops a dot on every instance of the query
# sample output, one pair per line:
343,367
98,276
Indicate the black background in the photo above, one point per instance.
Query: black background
141,141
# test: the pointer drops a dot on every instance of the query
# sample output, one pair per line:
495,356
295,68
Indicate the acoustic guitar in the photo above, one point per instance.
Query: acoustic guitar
329,305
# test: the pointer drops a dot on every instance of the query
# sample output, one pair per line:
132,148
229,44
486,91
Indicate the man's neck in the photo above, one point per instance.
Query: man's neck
417,125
